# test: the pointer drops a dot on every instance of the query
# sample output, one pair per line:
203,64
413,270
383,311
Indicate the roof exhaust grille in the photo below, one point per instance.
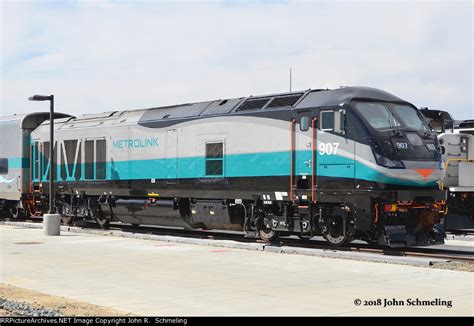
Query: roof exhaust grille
467,124
284,101
253,104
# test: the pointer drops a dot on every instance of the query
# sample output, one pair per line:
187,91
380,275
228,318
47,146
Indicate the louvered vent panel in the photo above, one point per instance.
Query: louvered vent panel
253,104
467,124
284,101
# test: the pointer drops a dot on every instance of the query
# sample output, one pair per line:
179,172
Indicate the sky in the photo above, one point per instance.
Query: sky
97,56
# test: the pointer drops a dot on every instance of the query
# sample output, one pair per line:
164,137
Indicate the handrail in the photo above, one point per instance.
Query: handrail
292,145
313,160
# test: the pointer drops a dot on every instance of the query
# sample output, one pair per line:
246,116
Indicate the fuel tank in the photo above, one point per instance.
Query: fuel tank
211,214
148,211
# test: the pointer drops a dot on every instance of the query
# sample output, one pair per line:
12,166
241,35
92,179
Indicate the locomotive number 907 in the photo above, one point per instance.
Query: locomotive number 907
328,148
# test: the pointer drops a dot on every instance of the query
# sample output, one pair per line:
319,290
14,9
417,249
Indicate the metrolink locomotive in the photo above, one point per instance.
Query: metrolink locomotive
349,163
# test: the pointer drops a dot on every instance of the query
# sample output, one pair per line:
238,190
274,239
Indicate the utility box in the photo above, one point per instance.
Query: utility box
466,171
470,147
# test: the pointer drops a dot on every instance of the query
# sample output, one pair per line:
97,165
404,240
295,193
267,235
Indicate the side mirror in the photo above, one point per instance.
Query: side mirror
340,121
448,125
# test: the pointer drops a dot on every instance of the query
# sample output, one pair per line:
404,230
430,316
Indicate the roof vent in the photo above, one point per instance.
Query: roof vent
284,101
467,124
253,104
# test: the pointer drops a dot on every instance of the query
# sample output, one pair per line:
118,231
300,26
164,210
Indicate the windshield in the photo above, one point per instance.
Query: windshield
410,117
387,116
377,115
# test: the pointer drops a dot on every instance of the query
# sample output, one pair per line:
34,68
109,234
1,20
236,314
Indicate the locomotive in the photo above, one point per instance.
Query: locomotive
457,147
347,163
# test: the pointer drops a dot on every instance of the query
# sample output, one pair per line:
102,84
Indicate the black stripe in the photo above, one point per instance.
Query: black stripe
231,188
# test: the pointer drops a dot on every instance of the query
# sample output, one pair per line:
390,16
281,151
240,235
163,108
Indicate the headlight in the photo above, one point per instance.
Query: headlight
388,163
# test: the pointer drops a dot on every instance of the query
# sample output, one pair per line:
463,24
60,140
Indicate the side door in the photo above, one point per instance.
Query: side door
335,153
304,151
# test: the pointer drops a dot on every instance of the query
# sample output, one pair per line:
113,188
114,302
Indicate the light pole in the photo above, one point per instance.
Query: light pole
49,98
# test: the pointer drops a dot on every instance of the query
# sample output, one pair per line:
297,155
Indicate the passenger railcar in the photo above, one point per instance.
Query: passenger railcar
17,197
348,163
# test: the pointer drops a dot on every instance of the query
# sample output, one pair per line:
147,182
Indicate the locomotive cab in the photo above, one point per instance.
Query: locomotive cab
376,173
385,151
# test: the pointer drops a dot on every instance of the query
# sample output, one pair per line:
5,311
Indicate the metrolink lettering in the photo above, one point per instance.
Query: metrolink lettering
135,143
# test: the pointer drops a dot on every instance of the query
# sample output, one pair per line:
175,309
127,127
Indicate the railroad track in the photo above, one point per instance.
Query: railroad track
428,252
461,232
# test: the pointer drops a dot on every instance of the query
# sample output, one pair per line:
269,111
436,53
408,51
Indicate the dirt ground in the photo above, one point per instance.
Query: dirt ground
456,266
67,307
5,313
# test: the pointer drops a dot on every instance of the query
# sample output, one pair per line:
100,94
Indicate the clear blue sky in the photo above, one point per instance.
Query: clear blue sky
106,55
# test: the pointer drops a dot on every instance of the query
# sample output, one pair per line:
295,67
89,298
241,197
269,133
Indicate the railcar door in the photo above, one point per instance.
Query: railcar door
172,155
303,152
335,153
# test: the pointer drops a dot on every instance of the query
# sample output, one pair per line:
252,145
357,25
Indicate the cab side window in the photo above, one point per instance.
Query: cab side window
304,123
327,120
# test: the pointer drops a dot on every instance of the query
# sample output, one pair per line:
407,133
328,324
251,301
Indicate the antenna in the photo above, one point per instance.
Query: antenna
290,79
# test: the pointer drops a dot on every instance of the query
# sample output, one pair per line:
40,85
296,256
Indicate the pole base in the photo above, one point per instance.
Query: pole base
52,224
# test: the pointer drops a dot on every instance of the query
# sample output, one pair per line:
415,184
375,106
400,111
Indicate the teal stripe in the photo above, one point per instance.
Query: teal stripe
18,162
240,165
259,164
245,165
253,165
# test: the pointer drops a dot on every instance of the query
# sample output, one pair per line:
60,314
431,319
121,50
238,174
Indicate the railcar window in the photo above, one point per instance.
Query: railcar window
89,159
327,120
55,159
215,159
304,123
46,169
45,162
36,161
95,159
101,159
62,163
69,154
3,165
78,164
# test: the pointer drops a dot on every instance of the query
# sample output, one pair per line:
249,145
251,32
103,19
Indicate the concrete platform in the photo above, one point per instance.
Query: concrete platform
148,277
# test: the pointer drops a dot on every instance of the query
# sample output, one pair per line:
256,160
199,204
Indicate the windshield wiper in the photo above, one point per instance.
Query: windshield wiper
425,130
394,126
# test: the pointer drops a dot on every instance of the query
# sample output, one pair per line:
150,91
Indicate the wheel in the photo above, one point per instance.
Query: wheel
66,213
100,217
334,234
337,241
16,212
267,234
67,220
